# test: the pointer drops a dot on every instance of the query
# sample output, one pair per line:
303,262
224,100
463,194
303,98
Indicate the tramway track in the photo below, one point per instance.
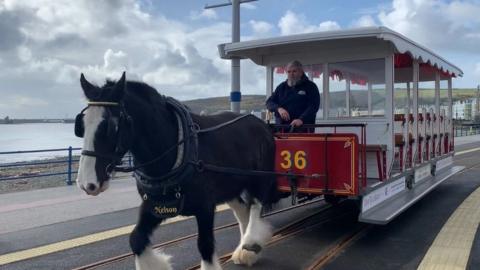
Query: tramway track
350,238
322,260
178,240
291,230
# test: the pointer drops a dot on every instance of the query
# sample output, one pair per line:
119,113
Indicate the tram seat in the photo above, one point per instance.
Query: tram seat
400,118
400,141
446,143
380,151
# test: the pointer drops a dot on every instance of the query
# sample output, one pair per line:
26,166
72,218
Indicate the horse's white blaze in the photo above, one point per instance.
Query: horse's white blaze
152,260
214,265
86,170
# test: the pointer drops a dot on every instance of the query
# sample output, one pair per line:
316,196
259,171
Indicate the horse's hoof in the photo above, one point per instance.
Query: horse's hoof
236,256
245,257
252,247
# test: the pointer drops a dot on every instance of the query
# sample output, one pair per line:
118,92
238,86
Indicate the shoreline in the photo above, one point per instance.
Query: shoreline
29,168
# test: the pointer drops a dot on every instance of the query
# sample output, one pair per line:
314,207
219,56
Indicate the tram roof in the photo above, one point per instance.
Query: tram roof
260,49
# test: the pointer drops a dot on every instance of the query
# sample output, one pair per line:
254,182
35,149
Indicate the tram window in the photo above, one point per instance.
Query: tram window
378,99
426,87
312,71
444,97
400,94
364,81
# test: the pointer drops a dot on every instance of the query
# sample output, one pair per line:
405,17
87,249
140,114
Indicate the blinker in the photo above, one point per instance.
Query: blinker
79,127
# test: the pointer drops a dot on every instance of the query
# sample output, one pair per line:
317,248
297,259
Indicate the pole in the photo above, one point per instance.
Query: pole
235,93
478,102
69,169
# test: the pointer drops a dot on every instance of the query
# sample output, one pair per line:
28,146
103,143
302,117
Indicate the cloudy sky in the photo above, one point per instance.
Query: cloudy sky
172,45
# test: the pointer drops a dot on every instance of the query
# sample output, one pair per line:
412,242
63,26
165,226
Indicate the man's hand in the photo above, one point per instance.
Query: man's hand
283,114
297,122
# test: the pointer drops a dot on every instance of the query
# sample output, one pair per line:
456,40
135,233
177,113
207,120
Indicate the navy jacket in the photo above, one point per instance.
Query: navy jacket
301,101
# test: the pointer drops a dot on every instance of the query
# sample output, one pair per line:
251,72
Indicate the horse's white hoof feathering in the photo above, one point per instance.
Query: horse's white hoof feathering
152,260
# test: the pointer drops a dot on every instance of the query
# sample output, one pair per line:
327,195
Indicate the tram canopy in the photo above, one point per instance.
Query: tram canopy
368,41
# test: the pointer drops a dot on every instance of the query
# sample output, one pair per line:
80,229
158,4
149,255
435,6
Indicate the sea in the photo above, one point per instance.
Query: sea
41,136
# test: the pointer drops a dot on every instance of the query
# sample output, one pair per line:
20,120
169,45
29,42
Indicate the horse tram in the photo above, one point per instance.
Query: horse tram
383,134
383,137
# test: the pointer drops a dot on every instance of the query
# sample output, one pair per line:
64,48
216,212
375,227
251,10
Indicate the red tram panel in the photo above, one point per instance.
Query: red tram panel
332,160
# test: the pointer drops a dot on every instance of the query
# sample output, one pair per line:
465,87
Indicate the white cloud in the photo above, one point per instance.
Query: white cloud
260,27
477,70
327,26
24,54
436,24
364,21
248,6
204,14
115,60
292,23
54,41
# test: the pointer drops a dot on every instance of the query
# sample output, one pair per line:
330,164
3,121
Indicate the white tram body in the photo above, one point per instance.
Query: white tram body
398,90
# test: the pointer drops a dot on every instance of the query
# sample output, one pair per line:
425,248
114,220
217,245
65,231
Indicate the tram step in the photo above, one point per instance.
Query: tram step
385,211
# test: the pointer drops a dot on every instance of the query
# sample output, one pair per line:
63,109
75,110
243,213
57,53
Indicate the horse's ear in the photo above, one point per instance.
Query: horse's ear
120,88
90,90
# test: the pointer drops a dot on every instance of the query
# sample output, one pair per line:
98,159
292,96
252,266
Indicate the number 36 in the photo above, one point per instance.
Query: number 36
299,160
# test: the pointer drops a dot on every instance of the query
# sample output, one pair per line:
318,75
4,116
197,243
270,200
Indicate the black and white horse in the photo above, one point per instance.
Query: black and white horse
172,152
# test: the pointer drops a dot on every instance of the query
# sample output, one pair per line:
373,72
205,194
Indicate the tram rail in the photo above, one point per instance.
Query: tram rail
350,238
296,227
126,256
289,230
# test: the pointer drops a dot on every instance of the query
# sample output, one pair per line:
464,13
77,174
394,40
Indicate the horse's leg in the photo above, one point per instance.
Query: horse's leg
206,241
241,211
145,257
257,235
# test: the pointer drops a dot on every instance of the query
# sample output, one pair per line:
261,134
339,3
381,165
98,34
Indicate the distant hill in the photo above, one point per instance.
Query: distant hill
215,104
257,102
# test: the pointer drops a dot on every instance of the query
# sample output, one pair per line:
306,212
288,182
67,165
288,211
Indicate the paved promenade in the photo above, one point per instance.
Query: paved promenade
35,208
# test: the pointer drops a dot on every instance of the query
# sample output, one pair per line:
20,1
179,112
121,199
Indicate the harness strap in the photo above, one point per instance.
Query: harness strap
200,166
100,155
219,126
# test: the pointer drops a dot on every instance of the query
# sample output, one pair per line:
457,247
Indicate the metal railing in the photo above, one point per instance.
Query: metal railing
69,160
466,130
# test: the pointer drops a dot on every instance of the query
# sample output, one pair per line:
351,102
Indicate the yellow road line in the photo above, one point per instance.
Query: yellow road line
451,248
466,151
79,241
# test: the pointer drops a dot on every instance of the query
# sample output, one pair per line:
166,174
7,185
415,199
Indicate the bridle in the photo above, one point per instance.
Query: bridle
120,148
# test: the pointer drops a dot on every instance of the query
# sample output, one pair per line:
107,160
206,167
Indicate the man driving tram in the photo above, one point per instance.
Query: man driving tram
296,100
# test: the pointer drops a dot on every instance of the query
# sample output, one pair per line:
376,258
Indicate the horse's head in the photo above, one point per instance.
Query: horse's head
104,126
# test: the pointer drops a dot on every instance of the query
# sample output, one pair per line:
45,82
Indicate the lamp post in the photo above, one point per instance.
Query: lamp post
478,100
235,94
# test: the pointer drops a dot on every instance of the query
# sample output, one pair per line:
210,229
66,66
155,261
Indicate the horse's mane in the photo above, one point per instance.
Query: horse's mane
139,90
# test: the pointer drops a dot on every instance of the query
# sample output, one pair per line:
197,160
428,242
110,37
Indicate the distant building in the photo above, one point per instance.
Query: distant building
465,109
